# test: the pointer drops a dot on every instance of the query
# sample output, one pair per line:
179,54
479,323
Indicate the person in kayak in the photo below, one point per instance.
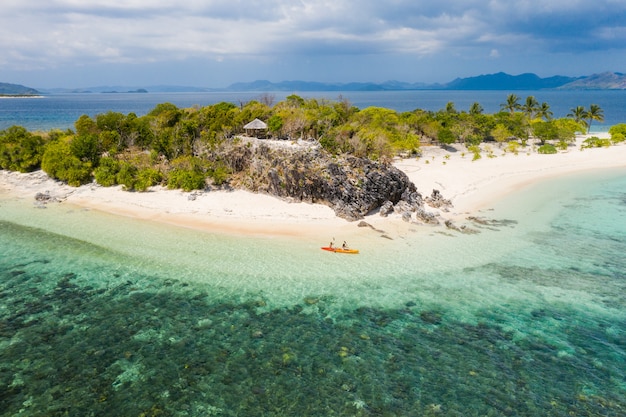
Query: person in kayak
345,245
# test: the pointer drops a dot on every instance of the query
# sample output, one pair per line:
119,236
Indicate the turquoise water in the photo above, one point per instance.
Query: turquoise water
107,316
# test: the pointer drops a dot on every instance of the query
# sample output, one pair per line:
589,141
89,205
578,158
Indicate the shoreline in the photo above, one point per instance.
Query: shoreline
475,185
472,186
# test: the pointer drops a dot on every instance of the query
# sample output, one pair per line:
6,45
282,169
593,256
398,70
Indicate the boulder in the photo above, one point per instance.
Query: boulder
45,198
426,217
386,208
436,200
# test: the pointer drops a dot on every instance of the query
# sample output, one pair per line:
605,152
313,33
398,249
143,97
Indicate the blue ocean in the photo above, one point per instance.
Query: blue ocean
60,111
102,315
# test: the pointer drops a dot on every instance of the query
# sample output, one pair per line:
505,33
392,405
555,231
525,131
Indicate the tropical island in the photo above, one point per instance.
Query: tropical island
347,163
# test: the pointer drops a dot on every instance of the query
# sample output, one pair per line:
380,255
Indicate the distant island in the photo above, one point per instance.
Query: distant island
12,90
139,90
499,81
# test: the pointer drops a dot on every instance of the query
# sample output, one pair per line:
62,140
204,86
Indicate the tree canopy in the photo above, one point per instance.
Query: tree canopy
190,148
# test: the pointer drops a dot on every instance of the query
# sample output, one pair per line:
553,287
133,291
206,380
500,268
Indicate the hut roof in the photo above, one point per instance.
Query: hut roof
256,124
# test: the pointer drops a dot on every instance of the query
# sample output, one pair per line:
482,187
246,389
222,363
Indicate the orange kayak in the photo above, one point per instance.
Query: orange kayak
340,250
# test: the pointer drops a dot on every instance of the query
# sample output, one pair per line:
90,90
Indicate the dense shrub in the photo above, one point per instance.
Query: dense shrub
86,148
618,128
596,142
106,173
618,138
112,172
186,179
127,175
59,163
20,150
618,133
219,174
146,178
547,149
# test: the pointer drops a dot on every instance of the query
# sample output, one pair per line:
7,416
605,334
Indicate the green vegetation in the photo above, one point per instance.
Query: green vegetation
59,163
20,150
618,133
596,142
586,116
547,149
197,147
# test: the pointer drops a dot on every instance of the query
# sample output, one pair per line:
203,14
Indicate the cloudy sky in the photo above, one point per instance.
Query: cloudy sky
212,43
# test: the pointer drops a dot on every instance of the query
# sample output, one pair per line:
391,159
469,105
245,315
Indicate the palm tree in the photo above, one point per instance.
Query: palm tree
594,113
579,114
530,107
512,103
544,111
476,108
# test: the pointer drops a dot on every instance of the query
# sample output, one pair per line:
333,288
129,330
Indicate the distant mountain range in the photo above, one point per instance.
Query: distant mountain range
604,81
498,81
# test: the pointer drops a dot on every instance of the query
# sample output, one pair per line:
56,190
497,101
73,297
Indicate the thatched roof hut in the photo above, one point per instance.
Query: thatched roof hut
256,128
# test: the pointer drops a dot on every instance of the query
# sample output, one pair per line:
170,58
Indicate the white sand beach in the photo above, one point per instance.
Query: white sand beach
470,185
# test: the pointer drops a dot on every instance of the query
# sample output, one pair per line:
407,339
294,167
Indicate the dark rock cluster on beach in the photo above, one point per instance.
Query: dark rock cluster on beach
45,197
353,187
41,199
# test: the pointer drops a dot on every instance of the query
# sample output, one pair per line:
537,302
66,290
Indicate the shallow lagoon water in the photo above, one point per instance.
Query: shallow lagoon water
105,315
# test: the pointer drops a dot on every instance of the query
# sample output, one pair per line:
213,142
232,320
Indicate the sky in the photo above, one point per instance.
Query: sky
213,43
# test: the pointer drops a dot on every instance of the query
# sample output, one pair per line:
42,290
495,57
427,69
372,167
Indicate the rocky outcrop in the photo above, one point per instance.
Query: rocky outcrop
45,198
436,200
426,217
386,209
461,229
353,187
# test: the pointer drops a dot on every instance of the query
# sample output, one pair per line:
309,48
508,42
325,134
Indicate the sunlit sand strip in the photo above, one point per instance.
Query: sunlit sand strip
471,185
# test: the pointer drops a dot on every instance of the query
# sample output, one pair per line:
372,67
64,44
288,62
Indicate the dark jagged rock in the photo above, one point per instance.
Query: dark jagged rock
352,187
461,229
426,217
491,222
413,197
386,208
45,198
404,207
436,200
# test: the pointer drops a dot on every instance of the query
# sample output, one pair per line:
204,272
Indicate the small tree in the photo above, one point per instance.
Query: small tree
445,137
275,124
500,133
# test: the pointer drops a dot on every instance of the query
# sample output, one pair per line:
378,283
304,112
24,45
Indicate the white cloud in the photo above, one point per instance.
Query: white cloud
55,33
